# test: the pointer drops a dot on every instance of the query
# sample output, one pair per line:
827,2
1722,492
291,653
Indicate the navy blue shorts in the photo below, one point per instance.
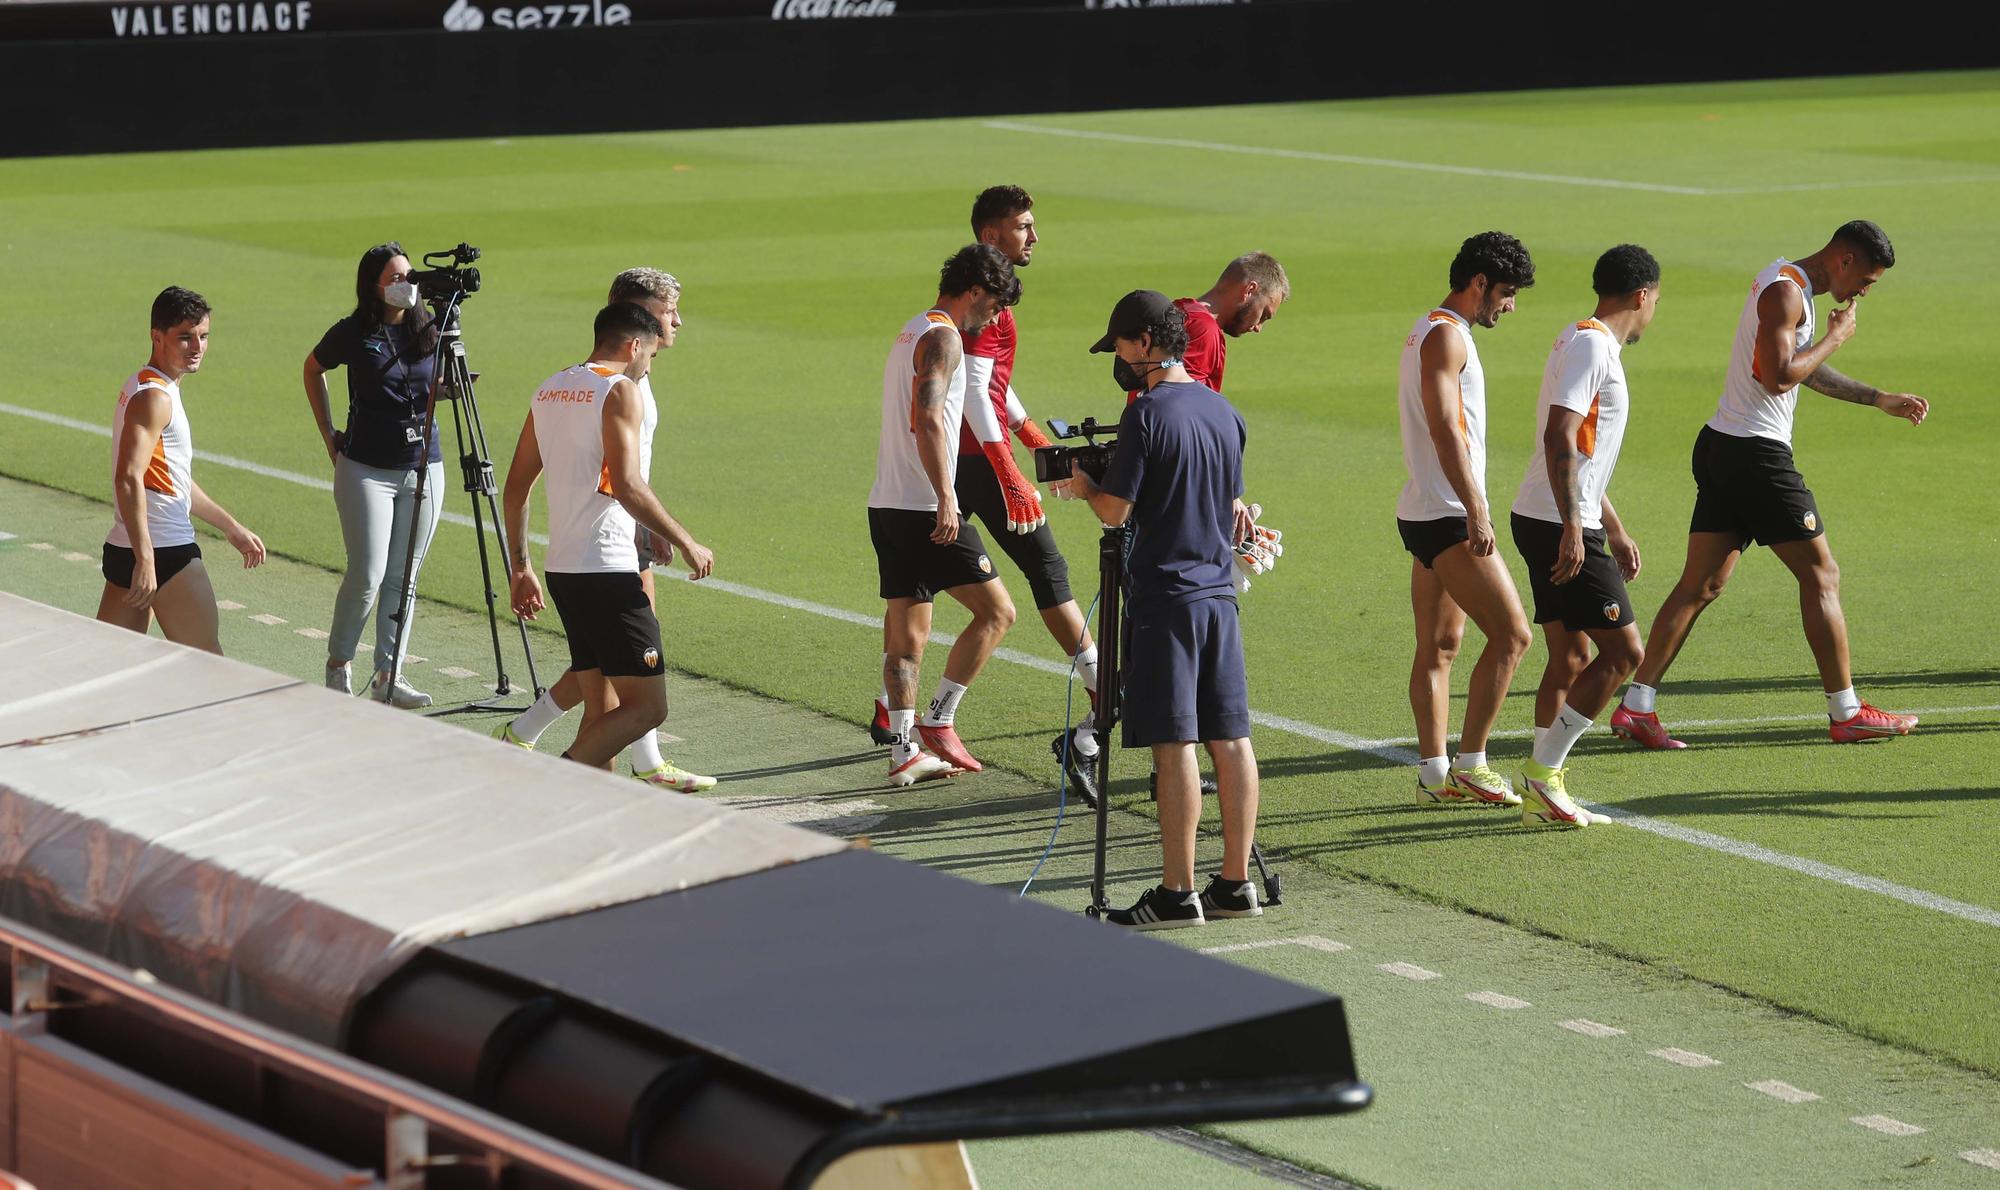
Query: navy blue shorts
1184,679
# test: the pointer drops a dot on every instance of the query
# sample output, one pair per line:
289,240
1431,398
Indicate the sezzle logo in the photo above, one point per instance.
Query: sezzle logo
463,17
817,10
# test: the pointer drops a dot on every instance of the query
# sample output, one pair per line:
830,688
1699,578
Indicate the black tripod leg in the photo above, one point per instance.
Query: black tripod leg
1273,888
1110,699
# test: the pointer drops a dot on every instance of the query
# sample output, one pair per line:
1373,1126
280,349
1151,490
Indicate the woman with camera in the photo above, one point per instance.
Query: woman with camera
388,347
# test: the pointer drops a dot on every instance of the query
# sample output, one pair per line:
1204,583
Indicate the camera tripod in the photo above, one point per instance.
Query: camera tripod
1115,641
452,382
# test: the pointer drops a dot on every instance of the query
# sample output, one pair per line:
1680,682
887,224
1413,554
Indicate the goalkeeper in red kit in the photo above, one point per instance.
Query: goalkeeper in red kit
990,485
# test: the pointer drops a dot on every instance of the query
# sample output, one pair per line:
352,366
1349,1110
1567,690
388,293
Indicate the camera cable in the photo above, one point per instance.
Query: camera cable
1062,780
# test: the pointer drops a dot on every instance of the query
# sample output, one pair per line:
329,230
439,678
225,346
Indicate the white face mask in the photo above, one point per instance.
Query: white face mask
402,295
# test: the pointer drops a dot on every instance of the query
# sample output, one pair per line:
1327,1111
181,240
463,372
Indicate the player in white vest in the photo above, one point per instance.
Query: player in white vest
1447,527
583,429
1747,488
922,548
1578,554
660,294
152,566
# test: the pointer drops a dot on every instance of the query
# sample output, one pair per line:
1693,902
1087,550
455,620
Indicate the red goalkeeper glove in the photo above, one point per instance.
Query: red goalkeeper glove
1024,503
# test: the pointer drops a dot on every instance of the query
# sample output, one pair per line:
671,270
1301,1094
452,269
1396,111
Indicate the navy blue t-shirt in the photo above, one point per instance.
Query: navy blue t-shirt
1180,462
388,385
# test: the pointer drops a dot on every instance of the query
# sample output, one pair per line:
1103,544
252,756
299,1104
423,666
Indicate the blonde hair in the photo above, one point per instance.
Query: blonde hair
633,284
1264,269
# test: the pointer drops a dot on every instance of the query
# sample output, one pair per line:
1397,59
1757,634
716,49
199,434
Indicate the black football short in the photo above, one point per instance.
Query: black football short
1184,675
1748,487
1427,539
611,627
1043,565
168,561
1595,598
912,566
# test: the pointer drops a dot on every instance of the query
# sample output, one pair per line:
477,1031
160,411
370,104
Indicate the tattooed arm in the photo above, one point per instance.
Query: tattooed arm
1841,387
937,359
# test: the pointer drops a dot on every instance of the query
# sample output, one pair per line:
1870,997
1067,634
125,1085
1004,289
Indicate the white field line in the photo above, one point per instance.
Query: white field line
1409,971
1433,167
1393,751
1783,1092
1886,1125
1805,867
1591,1028
1681,1057
1429,167
1522,733
1309,941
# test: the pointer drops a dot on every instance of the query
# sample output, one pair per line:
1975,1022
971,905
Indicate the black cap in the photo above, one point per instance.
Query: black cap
1135,314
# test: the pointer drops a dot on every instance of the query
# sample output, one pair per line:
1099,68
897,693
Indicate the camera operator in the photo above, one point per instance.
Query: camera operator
388,346
1175,475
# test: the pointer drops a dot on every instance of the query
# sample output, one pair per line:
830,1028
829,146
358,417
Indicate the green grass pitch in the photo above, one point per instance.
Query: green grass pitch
803,249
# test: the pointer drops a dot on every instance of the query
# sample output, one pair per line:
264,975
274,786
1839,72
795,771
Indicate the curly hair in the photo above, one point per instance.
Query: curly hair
1500,257
1870,240
1625,269
982,265
999,202
176,305
1170,332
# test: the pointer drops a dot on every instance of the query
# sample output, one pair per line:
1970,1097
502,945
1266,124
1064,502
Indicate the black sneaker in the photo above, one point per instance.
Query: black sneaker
1159,908
1082,773
1209,786
1224,898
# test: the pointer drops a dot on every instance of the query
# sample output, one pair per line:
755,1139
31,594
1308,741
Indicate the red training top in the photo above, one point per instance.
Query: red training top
995,343
1207,350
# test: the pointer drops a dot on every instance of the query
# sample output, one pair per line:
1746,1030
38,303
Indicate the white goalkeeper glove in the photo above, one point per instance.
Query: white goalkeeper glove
1259,552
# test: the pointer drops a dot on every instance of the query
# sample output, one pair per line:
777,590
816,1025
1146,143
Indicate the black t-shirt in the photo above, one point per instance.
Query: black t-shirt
1180,462
388,385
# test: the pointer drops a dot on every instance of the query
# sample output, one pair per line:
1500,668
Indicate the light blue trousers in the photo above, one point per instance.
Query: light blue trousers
374,506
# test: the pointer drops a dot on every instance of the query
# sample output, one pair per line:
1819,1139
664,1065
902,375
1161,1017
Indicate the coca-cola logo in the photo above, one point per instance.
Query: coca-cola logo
815,10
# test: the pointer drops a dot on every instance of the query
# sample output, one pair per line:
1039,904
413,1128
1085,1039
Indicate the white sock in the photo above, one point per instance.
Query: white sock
882,695
1843,704
1641,700
1470,760
644,753
1539,733
1553,748
1086,668
1433,771
902,725
1084,738
531,723
945,706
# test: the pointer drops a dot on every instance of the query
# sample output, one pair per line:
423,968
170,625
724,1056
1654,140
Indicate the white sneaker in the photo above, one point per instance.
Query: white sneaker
341,678
1547,803
404,697
672,776
921,767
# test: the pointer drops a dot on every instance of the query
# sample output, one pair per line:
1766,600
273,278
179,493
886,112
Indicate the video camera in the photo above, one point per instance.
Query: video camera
1052,463
445,275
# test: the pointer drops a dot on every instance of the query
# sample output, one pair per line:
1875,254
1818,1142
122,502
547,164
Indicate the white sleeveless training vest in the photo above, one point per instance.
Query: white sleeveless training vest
1427,495
1746,410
